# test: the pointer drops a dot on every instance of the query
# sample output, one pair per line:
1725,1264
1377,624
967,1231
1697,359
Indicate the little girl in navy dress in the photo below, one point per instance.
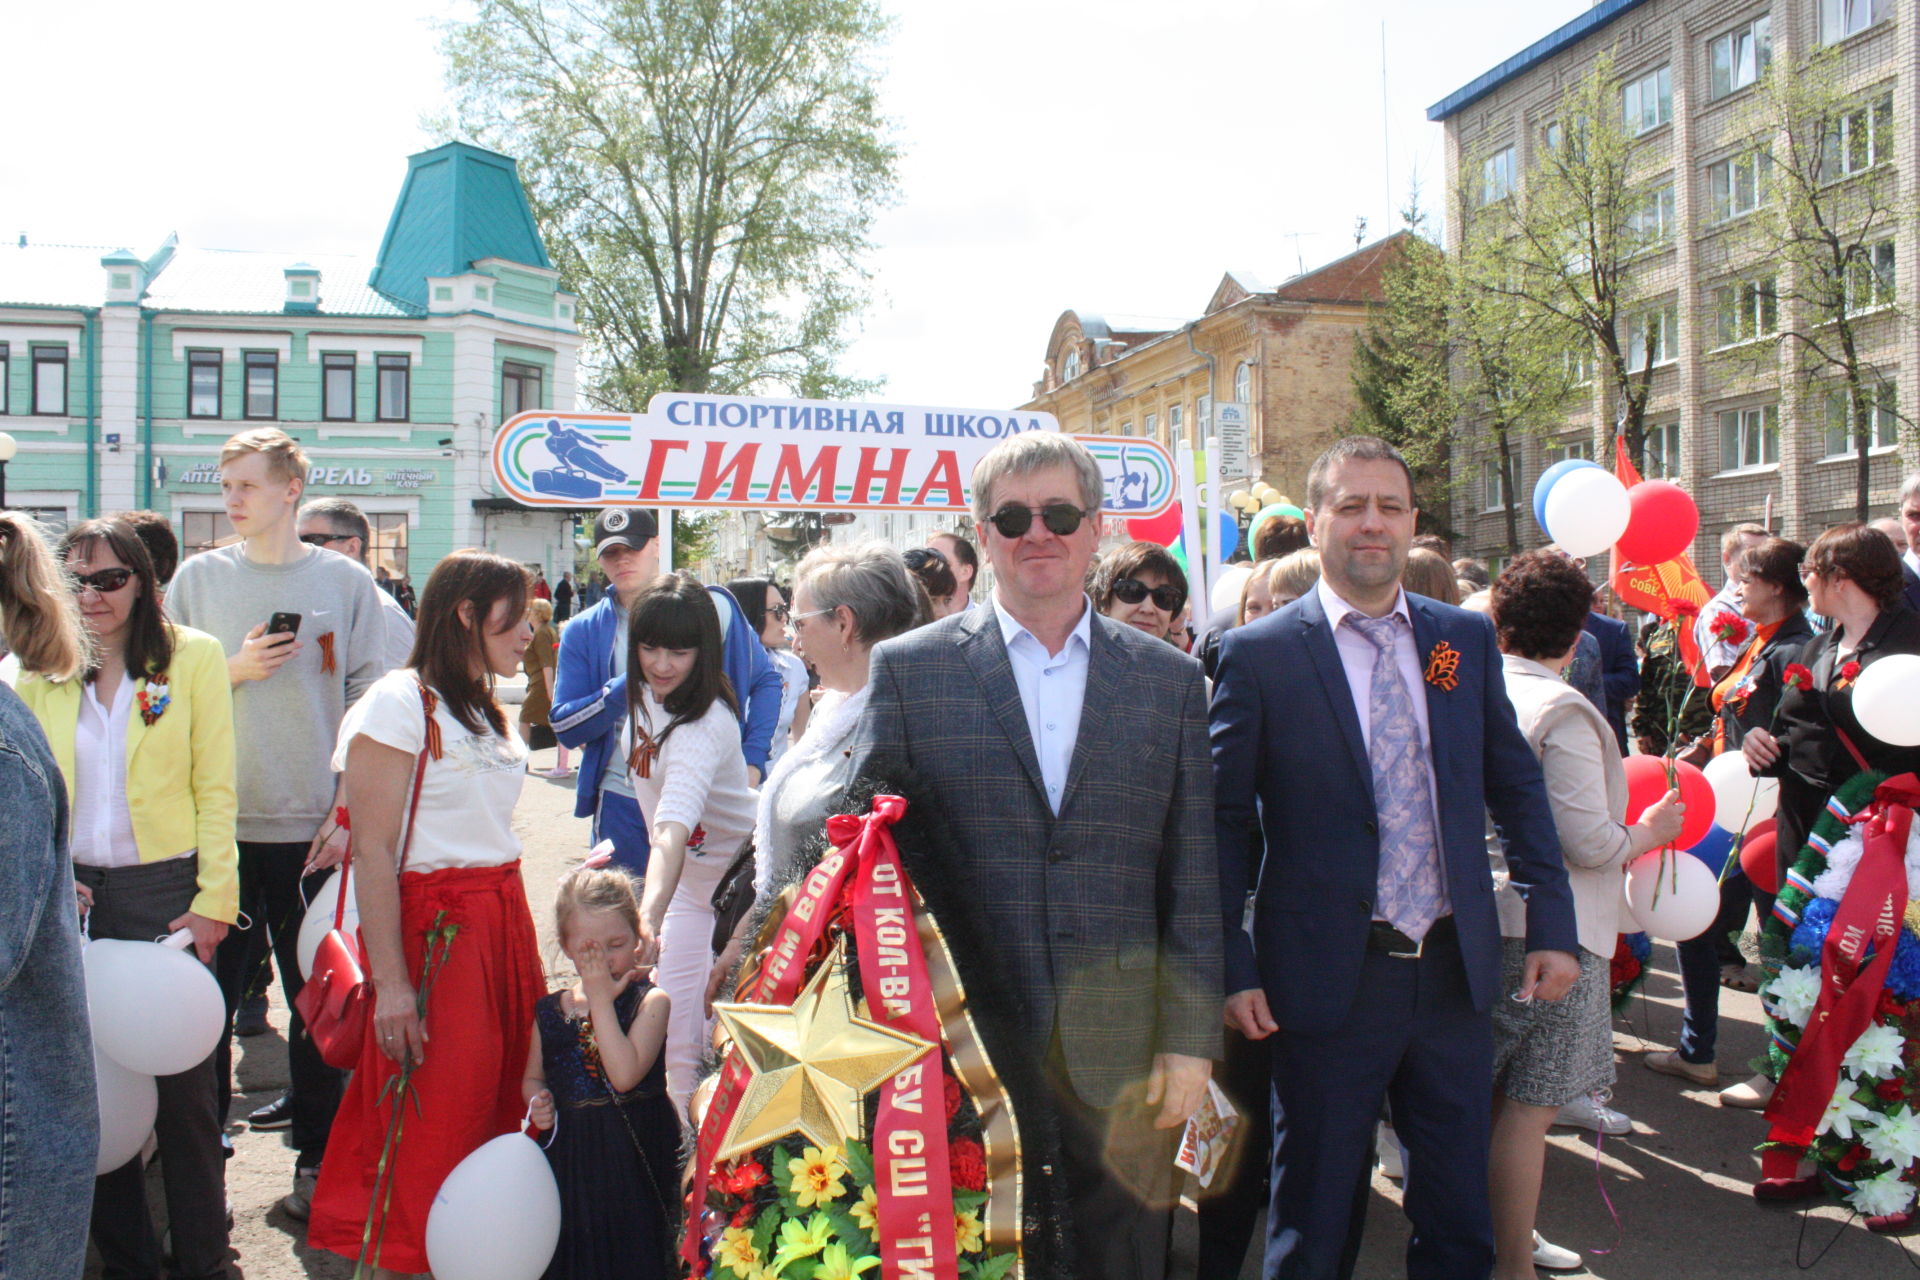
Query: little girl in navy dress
596,1083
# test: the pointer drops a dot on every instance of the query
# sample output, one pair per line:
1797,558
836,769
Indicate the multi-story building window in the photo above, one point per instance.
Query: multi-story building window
520,388
1242,381
1842,18
1580,364
1070,367
1498,173
1883,418
1153,426
1738,185
1870,279
337,370
393,388
1859,139
1564,450
1646,102
1493,485
203,531
1653,336
1660,449
1741,56
203,384
1745,310
263,384
1176,421
1750,437
6,369
1652,220
389,549
50,381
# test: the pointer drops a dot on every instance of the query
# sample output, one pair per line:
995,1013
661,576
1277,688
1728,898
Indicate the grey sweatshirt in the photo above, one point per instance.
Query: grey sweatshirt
285,725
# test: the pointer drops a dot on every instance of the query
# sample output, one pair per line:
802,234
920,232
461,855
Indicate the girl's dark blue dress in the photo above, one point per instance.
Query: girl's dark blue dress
614,1157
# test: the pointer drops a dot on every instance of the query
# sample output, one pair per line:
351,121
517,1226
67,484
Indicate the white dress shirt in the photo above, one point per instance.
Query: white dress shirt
1053,689
102,826
1357,655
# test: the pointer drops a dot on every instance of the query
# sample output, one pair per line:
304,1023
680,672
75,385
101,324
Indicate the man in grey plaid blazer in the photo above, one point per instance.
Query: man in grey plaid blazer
1070,755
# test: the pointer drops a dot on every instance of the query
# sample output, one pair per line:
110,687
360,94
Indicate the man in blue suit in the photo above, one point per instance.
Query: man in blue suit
1372,730
1619,671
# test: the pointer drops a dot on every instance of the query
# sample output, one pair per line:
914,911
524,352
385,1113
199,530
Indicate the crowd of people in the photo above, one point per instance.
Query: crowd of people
1370,813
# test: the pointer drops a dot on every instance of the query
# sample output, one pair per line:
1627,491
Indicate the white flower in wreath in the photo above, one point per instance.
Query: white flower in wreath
1876,1054
1895,1138
1793,993
1843,1111
1885,1194
1845,858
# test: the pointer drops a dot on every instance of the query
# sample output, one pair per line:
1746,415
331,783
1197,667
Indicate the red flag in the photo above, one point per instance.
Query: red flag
1665,590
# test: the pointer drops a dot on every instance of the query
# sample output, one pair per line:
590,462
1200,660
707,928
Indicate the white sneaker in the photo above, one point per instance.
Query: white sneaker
1551,1257
1386,1151
1590,1112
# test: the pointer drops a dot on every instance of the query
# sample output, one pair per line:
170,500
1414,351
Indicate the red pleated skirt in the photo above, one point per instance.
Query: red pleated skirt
479,1021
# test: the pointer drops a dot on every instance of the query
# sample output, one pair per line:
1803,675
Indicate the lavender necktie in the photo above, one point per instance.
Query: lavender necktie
1412,895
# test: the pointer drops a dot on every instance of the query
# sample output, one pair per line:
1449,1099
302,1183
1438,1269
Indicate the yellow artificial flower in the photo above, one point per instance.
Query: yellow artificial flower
837,1264
815,1176
866,1210
737,1254
967,1232
798,1240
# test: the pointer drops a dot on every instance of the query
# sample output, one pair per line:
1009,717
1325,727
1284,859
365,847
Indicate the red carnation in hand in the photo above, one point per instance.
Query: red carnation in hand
1730,628
968,1164
954,1095
1797,676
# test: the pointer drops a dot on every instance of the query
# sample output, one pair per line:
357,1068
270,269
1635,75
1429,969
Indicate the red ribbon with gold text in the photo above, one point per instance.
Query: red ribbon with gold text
1854,961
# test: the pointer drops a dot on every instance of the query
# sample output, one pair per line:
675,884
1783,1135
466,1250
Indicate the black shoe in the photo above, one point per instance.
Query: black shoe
277,1114
251,1020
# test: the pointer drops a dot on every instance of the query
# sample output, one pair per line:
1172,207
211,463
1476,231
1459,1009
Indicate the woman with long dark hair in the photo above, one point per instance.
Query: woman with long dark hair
433,771
145,742
767,613
50,1125
682,739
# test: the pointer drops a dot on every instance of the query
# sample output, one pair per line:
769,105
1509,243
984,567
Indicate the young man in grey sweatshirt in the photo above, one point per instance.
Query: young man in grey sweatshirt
290,691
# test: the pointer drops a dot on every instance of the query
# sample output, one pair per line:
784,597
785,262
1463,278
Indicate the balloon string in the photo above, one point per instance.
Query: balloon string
1600,1181
529,1128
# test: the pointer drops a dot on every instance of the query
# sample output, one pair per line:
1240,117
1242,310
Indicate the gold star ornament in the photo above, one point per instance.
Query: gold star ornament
811,1063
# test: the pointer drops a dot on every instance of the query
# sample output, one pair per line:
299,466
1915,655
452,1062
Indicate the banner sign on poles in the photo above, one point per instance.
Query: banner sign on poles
754,453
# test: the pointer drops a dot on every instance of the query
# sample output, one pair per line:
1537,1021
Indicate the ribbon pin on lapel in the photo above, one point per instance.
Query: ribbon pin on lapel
1443,667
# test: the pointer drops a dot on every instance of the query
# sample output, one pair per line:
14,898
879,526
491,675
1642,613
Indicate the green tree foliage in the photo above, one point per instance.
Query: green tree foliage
705,173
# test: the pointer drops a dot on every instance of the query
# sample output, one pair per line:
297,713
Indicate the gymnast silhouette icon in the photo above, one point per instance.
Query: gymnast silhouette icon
1128,489
579,456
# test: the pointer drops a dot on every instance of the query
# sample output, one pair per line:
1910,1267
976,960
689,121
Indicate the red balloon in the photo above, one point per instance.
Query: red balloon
1663,523
1760,859
1647,782
1163,529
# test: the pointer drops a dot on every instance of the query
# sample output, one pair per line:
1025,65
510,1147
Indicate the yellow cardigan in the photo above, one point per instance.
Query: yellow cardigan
180,787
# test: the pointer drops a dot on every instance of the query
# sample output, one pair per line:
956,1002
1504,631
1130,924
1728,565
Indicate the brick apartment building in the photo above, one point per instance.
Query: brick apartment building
1743,435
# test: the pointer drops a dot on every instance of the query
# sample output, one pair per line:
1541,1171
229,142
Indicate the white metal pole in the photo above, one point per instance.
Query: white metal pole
666,539
1214,499
1186,462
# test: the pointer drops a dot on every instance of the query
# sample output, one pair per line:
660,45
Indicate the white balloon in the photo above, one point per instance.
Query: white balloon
154,1009
319,920
1886,698
129,1100
1587,511
497,1216
1226,591
1738,796
1688,893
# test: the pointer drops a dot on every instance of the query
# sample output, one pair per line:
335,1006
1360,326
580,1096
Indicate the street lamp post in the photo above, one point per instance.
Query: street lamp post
8,447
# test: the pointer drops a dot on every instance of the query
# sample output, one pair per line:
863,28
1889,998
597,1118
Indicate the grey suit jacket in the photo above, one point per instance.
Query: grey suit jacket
1107,916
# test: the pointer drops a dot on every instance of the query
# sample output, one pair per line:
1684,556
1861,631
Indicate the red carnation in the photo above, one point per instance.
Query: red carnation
1890,1090
1850,671
1855,1154
1685,609
968,1164
743,1178
954,1095
1798,676
1730,628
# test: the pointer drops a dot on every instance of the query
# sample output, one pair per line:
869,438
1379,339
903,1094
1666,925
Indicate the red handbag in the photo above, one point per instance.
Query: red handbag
337,1000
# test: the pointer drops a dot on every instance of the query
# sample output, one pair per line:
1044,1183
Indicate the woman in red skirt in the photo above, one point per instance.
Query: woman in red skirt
443,916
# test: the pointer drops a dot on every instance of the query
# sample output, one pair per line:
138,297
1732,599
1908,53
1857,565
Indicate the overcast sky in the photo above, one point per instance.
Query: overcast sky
1116,157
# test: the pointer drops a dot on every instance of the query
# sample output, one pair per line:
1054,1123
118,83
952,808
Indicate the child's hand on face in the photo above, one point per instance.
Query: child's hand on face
541,1108
597,980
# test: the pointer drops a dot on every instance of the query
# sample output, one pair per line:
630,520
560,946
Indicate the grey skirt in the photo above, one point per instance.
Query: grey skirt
1547,1053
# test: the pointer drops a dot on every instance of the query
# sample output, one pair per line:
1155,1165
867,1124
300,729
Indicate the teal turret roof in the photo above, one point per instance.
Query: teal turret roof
459,204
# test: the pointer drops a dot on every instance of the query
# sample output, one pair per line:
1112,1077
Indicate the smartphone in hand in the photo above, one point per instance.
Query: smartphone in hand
283,624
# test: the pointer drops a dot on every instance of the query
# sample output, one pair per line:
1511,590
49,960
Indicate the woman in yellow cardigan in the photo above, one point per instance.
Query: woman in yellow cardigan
145,742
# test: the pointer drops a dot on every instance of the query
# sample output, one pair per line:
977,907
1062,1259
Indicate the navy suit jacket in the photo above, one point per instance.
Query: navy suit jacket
1619,672
1287,737
1912,580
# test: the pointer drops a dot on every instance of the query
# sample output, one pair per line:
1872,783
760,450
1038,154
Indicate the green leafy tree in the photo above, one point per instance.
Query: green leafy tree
705,173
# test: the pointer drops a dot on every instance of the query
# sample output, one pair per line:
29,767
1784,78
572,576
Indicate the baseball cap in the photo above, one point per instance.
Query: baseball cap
624,526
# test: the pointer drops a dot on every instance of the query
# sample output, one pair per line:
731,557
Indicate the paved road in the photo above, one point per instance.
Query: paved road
1679,1183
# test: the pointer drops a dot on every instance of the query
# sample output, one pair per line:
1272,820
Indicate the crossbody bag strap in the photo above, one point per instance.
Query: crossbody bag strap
429,748
340,897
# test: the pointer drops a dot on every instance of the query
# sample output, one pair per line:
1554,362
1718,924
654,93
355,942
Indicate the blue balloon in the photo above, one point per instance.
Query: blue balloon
1229,535
1547,480
1714,847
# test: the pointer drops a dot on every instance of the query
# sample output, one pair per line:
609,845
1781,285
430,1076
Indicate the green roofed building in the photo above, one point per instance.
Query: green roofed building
121,375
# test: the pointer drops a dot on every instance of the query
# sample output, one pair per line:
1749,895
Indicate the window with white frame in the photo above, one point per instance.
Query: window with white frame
1859,139
1554,135
1566,450
1652,337
1870,278
203,384
336,386
1652,220
1882,425
50,381
1176,421
1153,426
1647,102
1750,437
262,389
1842,18
1243,382
1740,57
1070,366
1660,449
1493,485
1580,364
393,390
1497,174
1738,185
1202,416
1745,310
